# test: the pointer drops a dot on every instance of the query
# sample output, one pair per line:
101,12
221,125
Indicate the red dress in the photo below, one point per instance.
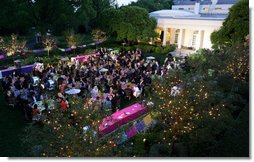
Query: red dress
63,105
36,112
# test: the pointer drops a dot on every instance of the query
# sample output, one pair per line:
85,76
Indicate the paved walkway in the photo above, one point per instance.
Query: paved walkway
182,52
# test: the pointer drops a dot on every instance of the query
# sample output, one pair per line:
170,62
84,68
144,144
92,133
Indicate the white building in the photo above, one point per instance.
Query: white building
190,22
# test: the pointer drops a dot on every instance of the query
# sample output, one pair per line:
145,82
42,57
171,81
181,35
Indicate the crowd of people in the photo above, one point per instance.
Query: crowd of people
106,79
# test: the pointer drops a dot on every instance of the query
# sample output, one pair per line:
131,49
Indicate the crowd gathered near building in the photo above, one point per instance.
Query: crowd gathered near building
105,78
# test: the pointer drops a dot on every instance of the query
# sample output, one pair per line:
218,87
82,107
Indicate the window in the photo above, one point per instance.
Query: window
194,38
176,36
180,8
218,8
206,8
190,8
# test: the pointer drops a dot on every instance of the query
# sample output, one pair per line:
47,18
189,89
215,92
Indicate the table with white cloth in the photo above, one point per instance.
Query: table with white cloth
73,91
41,106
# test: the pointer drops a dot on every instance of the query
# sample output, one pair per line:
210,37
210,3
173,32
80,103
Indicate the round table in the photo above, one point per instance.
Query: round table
73,91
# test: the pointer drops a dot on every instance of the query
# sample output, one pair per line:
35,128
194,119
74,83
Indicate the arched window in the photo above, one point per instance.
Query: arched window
194,38
177,35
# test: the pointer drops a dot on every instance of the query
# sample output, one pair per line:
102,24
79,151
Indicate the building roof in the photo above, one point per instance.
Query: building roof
183,14
227,1
190,2
173,13
214,16
203,2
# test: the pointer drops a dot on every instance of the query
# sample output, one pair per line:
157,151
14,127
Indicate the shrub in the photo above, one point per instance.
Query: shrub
143,142
127,48
6,61
149,49
168,49
158,49
160,150
50,60
145,47
28,61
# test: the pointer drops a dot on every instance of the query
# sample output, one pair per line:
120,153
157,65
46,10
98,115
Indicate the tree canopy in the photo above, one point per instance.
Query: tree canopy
12,45
235,27
153,5
12,15
29,16
129,23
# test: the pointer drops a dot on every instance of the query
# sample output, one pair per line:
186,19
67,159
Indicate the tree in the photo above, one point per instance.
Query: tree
236,138
73,39
238,62
129,23
13,17
30,16
12,45
48,43
54,15
101,5
109,19
153,5
99,35
2,46
235,27
62,134
183,113
84,13
202,116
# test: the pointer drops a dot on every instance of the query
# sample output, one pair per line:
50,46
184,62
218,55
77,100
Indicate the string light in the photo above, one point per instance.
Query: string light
178,113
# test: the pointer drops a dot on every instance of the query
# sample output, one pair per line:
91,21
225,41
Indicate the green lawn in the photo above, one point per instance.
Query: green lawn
11,123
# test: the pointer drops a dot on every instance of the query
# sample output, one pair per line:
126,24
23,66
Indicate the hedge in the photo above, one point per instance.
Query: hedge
29,58
149,48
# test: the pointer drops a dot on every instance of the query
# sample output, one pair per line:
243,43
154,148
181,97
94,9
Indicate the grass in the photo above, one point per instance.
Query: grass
12,122
12,125
11,128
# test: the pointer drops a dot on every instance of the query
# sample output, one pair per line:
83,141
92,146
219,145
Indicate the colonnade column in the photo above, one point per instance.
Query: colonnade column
198,43
164,36
180,38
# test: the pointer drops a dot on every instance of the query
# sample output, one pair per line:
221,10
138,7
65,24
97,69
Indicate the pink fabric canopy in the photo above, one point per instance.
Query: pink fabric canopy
120,118
85,57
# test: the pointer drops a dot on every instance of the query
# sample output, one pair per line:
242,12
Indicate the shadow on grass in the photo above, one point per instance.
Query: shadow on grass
11,126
